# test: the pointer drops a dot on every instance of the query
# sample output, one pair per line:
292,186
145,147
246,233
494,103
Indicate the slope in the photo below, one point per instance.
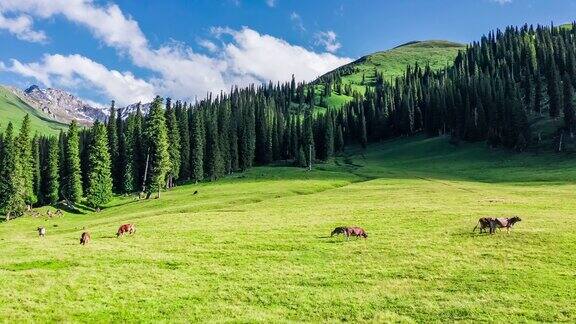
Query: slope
391,63
255,247
13,109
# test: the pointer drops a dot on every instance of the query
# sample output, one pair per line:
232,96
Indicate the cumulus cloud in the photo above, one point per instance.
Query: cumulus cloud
21,27
328,40
271,3
178,71
78,71
264,57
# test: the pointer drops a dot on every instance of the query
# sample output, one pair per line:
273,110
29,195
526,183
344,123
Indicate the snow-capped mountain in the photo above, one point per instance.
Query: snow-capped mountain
65,107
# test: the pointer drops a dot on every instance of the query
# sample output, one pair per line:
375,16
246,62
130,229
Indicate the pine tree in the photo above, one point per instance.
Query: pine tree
554,91
184,129
569,113
328,136
157,143
37,168
51,173
213,168
72,180
27,163
99,191
12,187
197,146
113,143
173,142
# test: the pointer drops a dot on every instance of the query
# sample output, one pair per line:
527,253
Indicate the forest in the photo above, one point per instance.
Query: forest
489,94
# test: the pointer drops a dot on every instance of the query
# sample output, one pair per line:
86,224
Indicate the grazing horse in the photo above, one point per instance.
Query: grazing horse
85,238
126,228
355,231
338,231
506,223
41,231
484,223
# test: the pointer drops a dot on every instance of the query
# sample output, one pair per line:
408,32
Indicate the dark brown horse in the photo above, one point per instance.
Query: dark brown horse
85,238
485,223
126,228
338,231
506,223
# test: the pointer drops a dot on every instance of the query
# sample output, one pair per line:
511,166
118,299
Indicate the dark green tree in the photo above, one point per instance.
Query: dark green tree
99,191
72,181
157,143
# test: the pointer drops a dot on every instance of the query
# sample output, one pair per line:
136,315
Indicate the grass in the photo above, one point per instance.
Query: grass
13,109
254,246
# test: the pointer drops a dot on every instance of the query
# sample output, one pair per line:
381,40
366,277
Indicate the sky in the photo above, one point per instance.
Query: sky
130,51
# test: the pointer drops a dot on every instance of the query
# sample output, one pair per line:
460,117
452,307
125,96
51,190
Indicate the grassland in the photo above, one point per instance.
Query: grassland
13,109
254,246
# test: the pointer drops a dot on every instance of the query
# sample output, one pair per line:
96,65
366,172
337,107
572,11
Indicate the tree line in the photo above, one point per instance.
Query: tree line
487,94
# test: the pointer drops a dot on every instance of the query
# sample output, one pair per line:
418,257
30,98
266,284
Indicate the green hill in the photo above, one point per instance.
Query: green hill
13,109
255,247
392,63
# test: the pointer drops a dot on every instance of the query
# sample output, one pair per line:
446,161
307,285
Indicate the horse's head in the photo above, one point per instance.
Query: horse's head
515,219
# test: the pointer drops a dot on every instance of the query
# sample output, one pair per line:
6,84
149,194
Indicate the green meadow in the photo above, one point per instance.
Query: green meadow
255,247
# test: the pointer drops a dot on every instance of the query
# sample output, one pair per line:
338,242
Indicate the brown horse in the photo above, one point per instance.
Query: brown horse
126,228
85,238
506,223
355,231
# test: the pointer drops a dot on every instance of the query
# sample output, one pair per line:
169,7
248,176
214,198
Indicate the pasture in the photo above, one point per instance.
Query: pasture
255,246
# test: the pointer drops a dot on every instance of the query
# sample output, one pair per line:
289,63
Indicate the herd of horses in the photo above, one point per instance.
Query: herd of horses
484,224
85,237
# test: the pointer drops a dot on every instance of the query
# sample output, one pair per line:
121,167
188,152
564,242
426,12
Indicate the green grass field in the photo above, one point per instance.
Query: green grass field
254,246
13,109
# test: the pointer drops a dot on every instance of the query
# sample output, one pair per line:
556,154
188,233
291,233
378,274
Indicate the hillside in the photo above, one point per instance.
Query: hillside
256,248
392,63
13,109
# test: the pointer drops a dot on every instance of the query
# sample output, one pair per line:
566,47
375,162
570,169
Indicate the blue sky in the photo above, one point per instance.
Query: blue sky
131,50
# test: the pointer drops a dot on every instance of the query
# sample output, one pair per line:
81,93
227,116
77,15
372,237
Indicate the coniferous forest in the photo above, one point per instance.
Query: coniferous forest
489,94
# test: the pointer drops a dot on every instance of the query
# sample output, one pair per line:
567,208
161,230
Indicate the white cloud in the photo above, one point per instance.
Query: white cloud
178,71
502,2
264,57
209,45
21,27
328,40
76,71
271,3
297,21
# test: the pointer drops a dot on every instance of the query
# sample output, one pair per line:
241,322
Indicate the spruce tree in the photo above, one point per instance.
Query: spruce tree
27,163
184,129
51,173
173,142
328,135
12,187
99,191
197,146
72,180
569,113
157,143
113,143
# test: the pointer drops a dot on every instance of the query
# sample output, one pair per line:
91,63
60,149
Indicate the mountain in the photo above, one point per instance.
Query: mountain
13,109
64,107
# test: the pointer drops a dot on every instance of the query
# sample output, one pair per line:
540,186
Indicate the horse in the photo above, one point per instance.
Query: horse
484,223
338,231
126,228
506,223
85,238
355,231
41,231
